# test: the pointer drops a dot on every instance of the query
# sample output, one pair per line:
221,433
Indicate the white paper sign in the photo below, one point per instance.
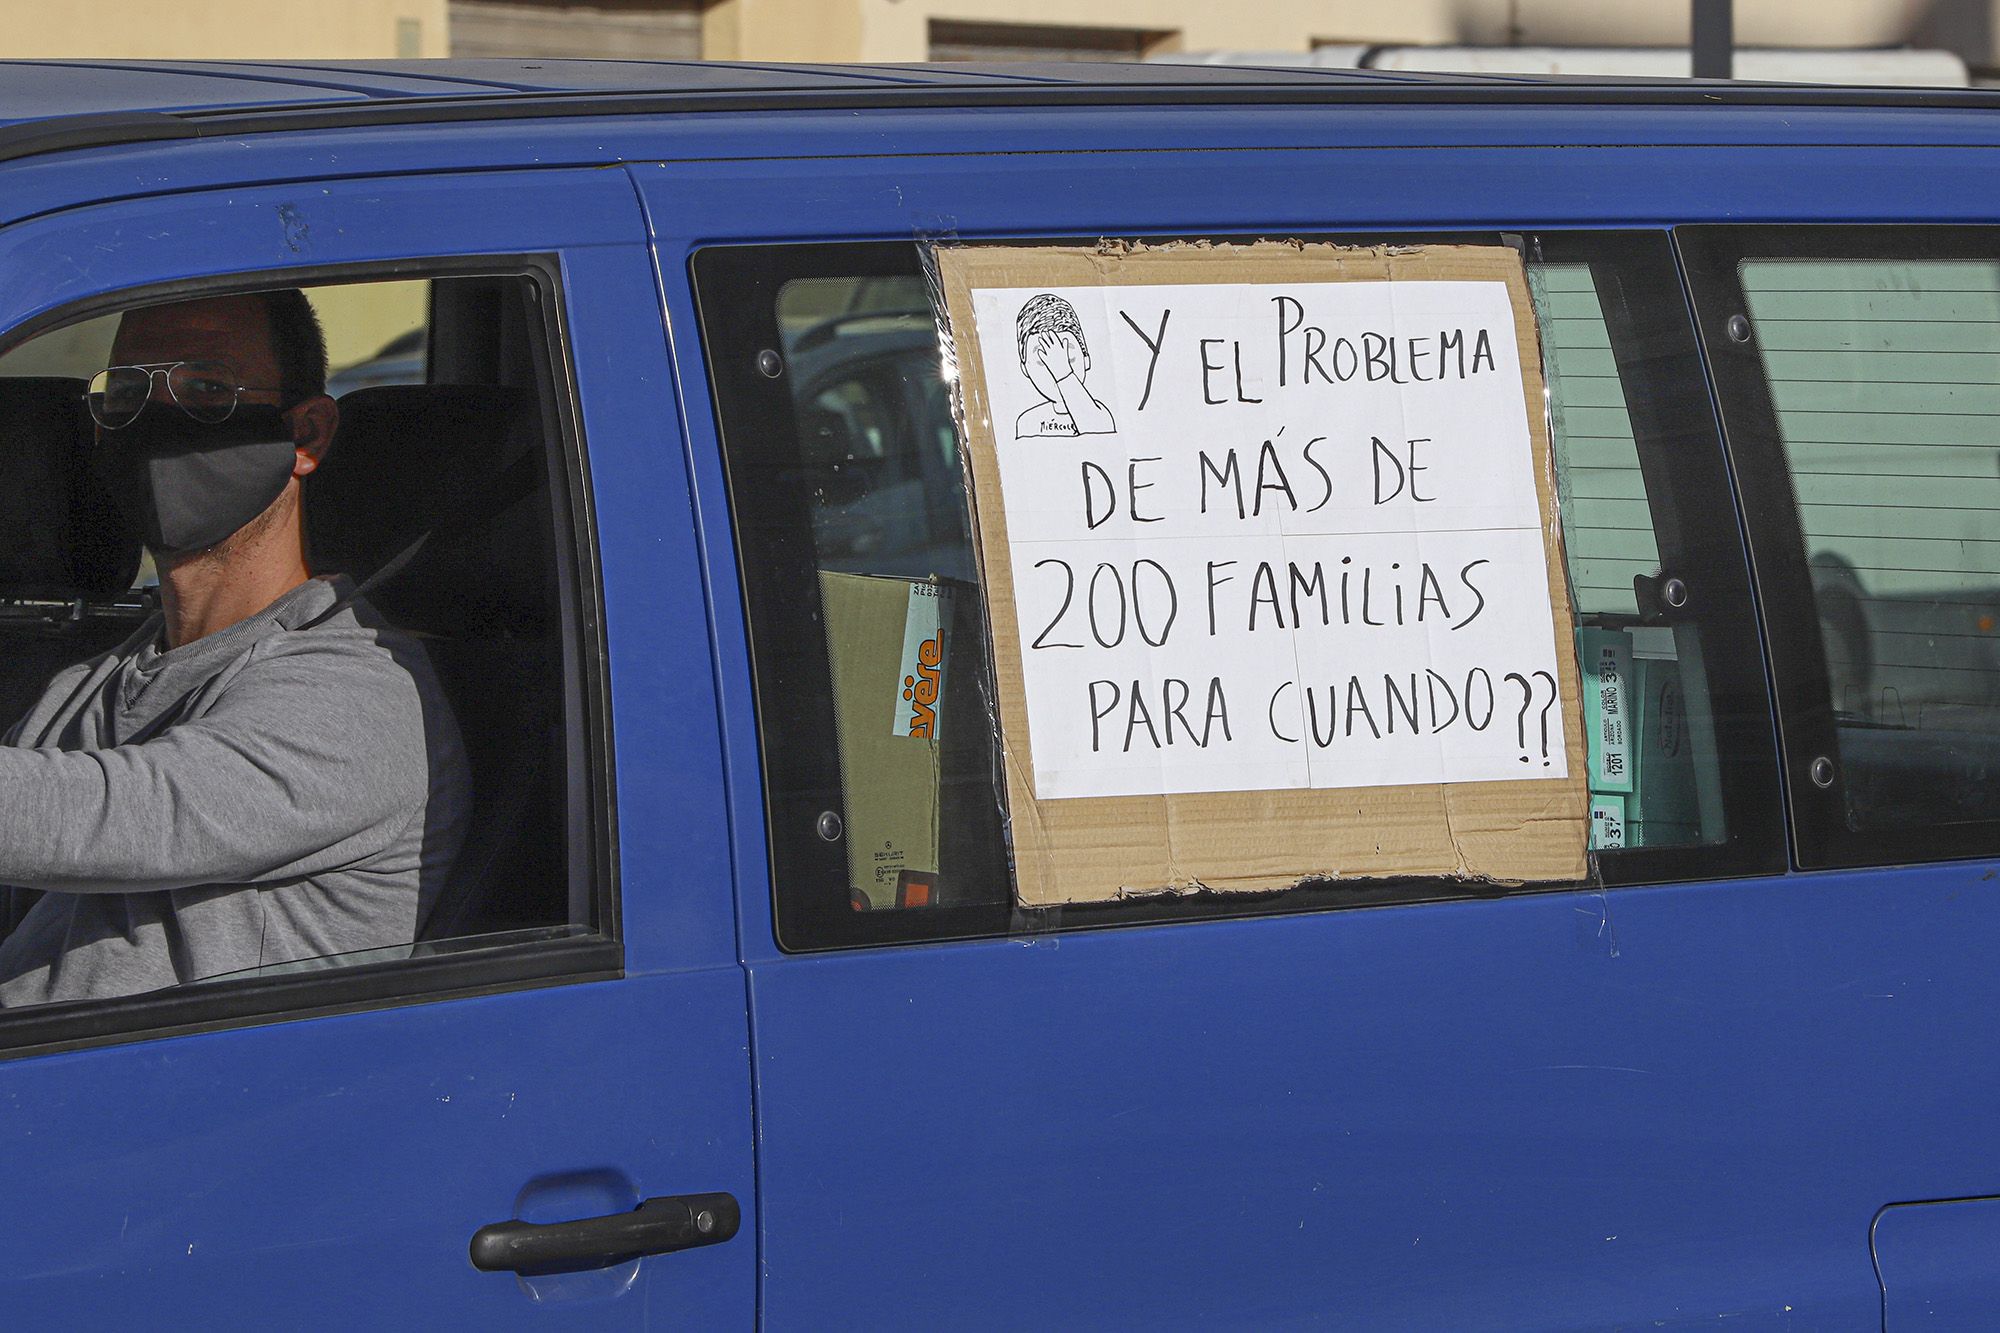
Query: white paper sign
1272,535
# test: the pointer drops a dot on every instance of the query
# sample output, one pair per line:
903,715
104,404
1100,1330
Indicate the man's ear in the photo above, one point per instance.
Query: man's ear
314,422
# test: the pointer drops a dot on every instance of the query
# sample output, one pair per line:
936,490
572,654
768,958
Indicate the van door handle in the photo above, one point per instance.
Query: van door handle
657,1226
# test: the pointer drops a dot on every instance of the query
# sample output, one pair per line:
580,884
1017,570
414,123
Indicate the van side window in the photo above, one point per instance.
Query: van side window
1655,769
1883,382
1607,525
875,427
451,433
852,517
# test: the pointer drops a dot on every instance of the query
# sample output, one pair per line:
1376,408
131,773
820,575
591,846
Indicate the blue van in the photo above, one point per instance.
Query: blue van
646,353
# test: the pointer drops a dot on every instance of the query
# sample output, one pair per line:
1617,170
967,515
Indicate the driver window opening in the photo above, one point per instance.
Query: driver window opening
447,432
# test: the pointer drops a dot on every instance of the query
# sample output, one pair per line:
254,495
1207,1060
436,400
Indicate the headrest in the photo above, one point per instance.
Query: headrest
402,454
61,535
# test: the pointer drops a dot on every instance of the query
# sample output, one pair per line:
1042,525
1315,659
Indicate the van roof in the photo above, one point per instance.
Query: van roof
40,89
48,105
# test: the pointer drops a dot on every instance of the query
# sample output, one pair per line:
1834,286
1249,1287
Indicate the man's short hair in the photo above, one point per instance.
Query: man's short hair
1048,314
298,342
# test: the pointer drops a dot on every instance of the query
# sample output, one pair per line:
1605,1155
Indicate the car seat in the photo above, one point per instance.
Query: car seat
481,595
62,540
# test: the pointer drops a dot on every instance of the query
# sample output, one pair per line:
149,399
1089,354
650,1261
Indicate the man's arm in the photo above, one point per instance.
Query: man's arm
308,762
14,903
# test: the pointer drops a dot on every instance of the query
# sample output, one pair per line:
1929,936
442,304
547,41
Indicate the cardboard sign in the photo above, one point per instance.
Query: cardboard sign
1271,556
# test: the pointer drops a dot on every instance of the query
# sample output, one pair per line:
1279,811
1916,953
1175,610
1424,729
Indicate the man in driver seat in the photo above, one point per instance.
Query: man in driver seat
265,771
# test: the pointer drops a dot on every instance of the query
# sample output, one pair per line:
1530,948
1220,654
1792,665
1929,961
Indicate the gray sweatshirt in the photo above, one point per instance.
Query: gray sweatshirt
261,795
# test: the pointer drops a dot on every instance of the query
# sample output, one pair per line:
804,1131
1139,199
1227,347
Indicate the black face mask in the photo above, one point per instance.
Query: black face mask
186,485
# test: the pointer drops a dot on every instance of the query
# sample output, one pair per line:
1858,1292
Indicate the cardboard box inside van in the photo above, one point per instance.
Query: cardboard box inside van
888,640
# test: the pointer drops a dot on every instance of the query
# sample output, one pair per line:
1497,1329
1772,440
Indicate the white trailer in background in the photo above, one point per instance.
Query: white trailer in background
1896,66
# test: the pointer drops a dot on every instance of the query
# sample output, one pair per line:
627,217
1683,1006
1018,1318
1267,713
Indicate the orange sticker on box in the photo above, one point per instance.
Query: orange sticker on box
923,661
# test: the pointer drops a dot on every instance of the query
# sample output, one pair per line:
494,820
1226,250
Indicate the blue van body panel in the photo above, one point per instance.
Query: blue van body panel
343,1163
46,183
32,90
675,862
1937,1266
1556,1110
1345,189
216,233
215,86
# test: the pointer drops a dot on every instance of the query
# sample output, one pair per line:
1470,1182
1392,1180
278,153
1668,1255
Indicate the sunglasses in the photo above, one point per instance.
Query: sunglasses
204,390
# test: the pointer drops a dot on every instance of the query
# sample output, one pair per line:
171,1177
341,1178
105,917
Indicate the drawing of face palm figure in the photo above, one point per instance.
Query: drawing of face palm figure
1055,358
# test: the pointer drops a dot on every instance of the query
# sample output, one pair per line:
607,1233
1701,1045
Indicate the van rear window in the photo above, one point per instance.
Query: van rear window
1884,377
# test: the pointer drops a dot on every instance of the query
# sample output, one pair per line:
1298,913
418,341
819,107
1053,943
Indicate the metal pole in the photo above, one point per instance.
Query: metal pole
1712,39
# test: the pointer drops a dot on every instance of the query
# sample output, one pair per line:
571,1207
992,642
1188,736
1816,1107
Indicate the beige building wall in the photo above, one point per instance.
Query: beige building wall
223,29
899,30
